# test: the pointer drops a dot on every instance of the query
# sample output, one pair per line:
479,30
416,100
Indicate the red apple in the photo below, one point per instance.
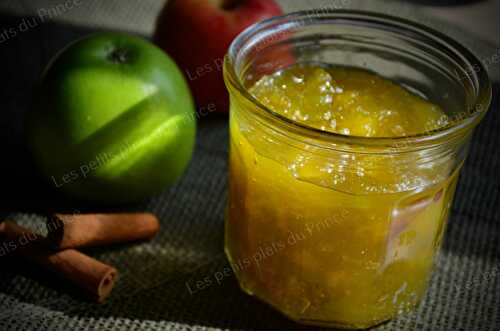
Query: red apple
197,34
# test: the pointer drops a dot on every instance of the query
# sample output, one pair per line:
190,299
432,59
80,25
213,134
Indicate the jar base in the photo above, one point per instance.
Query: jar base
310,322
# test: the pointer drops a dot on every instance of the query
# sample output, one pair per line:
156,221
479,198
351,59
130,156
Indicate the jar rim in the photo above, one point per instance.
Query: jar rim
403,26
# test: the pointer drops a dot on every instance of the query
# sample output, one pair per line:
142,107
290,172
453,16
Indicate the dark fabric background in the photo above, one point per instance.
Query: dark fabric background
153,293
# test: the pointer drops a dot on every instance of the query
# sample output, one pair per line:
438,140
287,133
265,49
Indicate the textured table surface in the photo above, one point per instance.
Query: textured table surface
153,292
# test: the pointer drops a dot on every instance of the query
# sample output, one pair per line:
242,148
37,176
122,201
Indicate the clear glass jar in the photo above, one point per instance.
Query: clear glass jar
337,230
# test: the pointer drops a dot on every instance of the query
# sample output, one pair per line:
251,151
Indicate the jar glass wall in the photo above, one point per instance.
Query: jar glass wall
332,229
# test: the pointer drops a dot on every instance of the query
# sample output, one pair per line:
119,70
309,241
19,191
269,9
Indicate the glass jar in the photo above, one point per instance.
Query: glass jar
338,230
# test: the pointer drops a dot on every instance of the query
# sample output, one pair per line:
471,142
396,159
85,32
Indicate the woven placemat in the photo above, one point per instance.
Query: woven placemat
154,291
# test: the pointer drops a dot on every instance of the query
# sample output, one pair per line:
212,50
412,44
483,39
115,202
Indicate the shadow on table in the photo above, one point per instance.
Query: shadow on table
24,52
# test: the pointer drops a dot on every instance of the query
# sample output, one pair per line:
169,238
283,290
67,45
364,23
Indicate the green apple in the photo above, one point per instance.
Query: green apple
114,119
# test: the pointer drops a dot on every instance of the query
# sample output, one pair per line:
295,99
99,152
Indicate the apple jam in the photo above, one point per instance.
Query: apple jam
335,236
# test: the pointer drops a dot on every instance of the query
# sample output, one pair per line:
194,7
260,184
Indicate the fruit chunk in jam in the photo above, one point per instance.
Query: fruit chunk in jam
345,240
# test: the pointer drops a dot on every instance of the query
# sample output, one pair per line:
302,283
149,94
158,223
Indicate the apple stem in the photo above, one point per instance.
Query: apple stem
119,55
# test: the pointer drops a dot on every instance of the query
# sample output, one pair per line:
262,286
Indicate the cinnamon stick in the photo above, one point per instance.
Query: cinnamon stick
93,277
90,230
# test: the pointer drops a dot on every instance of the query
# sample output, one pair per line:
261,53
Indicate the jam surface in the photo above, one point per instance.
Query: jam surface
347,101
335,238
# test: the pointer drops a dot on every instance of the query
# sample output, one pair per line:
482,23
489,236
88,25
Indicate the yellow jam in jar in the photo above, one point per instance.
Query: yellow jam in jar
340,238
